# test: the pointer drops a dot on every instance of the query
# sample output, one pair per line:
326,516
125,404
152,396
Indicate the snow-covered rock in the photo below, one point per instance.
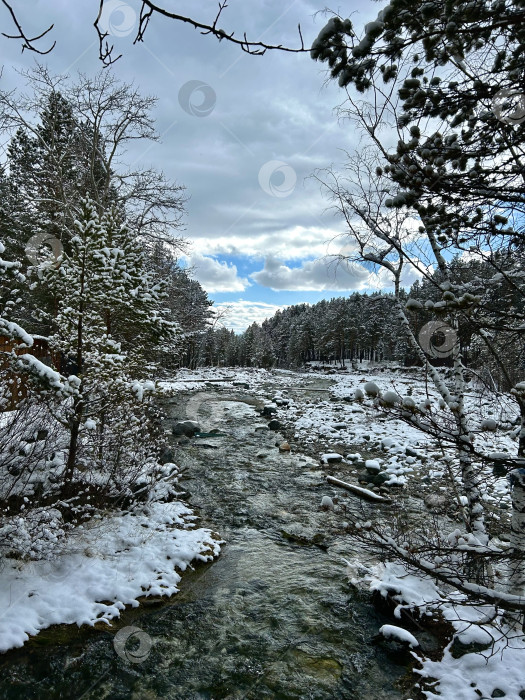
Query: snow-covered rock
399,634
372,466
327,503
331,458
372,389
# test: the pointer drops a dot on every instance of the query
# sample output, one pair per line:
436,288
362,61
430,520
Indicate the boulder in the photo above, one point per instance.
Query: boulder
380,478
435,501
274,424
390,398
489,425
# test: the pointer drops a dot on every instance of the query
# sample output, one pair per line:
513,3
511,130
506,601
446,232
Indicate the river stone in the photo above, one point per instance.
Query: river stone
435,501
284,447
281,401
458,649
274,424
302,535
167,456
269,410
331,458
372,466
186,427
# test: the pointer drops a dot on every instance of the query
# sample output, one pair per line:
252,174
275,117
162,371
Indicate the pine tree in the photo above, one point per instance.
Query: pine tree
103,279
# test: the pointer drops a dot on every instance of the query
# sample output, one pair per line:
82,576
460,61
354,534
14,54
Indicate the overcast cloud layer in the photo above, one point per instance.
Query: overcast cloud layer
242,133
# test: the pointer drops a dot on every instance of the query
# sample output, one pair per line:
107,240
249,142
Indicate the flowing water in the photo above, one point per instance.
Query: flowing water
273,617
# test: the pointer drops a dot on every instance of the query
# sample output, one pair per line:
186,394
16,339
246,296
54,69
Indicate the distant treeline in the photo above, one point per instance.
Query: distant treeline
350,329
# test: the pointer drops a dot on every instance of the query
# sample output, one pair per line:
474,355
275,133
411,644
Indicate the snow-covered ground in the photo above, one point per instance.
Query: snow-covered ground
102,567
500,667
405,450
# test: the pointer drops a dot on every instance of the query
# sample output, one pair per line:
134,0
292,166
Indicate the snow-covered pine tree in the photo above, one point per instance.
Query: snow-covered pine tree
108,320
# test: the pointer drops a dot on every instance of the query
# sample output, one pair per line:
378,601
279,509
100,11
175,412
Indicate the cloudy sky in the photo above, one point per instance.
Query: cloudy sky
243,134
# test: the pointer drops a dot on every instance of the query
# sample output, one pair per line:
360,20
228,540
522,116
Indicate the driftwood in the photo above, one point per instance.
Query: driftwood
358,491
205,381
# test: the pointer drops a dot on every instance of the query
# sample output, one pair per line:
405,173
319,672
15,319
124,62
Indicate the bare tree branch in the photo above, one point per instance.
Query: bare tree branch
28,43
149,8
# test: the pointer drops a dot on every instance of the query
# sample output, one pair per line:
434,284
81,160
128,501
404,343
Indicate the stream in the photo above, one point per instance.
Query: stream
273,617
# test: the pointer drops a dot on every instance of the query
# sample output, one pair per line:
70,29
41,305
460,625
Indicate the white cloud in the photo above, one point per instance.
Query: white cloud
313,275
216,276
241,314
296,243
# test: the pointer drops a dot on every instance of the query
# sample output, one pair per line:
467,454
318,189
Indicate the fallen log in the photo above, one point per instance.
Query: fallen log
205,381
358,491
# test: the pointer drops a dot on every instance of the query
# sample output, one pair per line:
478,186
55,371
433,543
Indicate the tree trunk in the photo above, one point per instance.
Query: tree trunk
76,421
516,582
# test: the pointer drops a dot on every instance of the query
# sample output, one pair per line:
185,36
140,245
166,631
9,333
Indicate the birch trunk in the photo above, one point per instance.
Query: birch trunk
516,582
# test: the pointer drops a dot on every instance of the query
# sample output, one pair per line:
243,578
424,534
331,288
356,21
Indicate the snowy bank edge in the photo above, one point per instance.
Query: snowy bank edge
119,561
